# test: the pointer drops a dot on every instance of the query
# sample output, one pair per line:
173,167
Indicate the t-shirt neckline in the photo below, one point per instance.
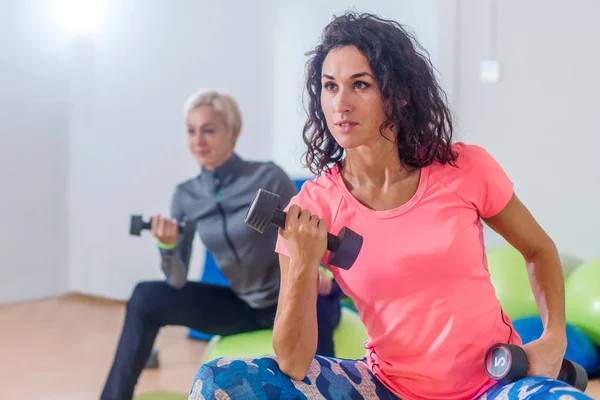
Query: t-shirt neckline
393,212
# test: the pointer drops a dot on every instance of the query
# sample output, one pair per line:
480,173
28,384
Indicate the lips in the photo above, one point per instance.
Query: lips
345,125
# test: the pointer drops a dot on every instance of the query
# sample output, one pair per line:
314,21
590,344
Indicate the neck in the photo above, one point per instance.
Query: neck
227,158
225,171
375,165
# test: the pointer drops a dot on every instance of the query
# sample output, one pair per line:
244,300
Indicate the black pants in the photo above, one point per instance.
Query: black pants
207,308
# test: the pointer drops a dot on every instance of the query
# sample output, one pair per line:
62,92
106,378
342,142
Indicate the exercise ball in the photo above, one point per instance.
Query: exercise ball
349,338
582,291
247,344
510,280
580,348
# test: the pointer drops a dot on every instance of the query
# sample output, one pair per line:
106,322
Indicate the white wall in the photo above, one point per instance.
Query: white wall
539,120
128,147
33,156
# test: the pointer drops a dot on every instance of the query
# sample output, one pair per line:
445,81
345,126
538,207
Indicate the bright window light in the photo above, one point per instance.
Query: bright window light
78,17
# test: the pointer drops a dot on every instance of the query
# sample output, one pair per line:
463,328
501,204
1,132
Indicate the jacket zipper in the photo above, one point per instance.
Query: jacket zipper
224,219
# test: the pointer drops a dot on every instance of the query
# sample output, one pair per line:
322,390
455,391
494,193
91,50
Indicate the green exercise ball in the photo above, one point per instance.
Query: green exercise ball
248,344
582,296
349,338
511,282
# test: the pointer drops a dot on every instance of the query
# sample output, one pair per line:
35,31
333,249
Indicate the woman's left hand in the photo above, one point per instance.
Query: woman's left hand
325,284
546,355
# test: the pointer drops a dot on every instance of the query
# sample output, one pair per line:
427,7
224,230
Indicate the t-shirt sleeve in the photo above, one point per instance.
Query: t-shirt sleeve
312,197
484,183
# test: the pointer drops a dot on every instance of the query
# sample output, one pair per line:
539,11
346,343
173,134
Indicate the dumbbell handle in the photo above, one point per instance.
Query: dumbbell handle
280,216
148,225
508,362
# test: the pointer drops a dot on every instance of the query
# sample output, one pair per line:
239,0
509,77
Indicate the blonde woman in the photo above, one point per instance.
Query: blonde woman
217,199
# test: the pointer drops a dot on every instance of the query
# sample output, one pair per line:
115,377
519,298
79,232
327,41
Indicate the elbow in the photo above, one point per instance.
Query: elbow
292,362
543,250
294,370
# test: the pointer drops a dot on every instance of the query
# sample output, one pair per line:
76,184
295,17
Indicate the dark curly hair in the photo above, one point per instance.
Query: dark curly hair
424,124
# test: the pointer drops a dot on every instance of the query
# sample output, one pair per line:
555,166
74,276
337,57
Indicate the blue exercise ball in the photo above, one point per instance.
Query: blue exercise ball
580,348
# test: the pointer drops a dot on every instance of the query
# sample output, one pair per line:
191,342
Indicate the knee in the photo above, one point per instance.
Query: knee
142,296
206,373
240,375
242,378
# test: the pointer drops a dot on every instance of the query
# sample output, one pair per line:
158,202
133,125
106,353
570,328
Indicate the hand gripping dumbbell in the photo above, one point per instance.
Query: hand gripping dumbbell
187,228
507,363
264,210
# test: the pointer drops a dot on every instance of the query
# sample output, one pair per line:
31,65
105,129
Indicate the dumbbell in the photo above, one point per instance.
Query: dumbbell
507,363
264,210
187,228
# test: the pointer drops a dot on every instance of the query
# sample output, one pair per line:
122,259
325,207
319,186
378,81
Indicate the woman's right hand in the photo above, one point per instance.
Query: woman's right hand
305,237
164,229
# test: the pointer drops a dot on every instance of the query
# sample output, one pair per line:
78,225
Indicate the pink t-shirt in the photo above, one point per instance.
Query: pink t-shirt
421,282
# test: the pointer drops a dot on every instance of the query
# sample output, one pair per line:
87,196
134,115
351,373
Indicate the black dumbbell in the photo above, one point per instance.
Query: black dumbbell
264,210
507,363
187,228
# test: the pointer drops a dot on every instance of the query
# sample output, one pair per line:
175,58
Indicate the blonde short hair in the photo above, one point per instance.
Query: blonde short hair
222,102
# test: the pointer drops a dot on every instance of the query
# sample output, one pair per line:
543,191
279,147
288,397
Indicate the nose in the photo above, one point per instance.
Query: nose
198,138
343,101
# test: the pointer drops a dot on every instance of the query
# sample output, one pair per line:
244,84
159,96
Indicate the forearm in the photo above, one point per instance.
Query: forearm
175,263
295,330
547,282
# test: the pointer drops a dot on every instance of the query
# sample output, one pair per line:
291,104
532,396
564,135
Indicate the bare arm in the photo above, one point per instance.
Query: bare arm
295,330
516,224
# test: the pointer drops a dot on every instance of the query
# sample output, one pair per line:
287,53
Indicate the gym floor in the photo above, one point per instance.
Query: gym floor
61,348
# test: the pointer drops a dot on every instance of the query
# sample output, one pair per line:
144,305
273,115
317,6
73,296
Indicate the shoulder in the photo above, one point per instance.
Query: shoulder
184,186
320,186
320,195
264,170
471,155
476,177
472,162
272,170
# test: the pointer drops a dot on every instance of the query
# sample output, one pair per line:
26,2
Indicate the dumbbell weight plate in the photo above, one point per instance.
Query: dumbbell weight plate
574,374
136,225
349,245
506,363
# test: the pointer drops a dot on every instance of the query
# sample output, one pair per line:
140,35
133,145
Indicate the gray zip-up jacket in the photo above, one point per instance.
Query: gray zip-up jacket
218,200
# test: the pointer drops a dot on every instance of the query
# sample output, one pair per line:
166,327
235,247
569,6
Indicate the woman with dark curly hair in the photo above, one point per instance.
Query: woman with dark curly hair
379,135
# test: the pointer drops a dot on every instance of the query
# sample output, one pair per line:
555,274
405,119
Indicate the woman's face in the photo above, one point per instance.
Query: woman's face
209,140
350,98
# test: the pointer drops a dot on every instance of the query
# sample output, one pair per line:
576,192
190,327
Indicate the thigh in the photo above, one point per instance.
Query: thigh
207,308
534,388
261,378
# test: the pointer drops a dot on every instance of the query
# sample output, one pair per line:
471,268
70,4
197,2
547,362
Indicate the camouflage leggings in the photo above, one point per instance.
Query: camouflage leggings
331,378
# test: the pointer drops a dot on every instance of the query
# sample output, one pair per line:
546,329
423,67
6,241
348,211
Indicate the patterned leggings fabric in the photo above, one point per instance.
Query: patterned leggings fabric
333,378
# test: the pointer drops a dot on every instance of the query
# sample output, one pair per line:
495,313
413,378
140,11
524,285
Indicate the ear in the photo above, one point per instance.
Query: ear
234,137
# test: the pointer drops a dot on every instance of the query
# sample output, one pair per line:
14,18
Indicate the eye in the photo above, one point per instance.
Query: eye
361,85
329,86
